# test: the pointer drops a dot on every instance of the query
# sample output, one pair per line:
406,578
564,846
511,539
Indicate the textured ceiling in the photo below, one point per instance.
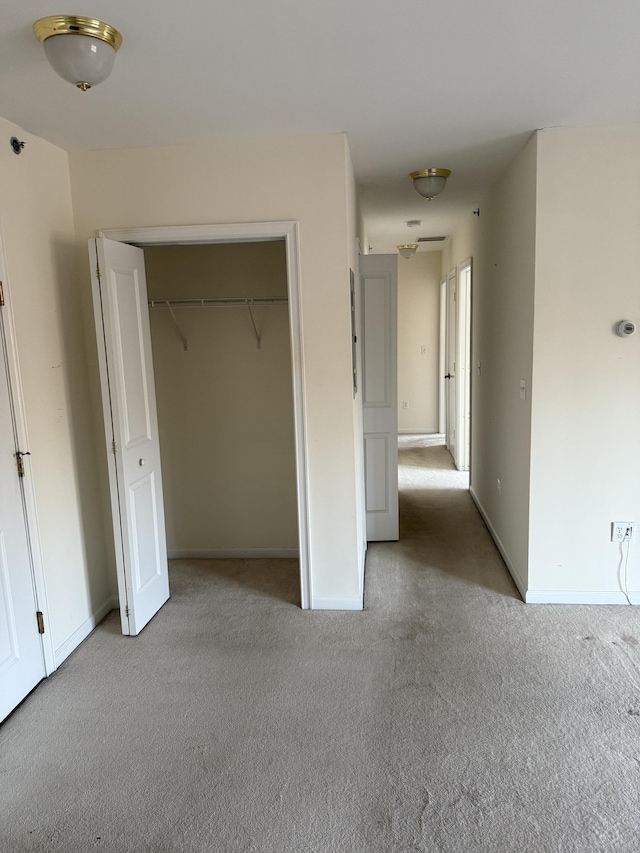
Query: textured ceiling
413,84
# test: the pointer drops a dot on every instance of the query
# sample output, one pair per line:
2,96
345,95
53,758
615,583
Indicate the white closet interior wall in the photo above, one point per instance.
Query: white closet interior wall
225,407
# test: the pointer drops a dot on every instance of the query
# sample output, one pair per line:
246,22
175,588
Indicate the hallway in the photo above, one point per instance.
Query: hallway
448,717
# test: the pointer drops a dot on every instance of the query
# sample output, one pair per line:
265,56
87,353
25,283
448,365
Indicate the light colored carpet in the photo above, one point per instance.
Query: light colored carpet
447,718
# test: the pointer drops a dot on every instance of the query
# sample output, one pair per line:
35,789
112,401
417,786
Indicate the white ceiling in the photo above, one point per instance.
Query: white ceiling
459,84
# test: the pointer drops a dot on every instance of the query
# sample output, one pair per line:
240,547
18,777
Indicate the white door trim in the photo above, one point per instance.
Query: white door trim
442,359
31,515
450,441
242,233
464,371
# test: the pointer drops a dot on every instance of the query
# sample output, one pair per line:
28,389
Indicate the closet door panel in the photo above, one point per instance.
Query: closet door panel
131,428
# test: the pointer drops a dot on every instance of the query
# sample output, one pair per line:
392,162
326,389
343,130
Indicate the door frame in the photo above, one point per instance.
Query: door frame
464,372
451,349
442,360
248,232
28,492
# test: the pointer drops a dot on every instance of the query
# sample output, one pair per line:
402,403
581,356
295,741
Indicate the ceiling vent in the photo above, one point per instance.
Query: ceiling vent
431,239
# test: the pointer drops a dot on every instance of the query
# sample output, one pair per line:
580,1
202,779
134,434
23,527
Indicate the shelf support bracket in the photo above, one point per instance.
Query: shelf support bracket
255,329
178,329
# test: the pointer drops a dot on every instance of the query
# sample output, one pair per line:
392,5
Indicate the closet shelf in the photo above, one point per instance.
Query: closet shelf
219,302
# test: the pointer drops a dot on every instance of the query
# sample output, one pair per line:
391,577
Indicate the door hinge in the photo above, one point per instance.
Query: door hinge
113,445
98,269
1,295
19,462
40,619
127,612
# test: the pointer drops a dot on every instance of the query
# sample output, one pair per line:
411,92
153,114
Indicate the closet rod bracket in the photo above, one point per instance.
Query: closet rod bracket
255,328
181,335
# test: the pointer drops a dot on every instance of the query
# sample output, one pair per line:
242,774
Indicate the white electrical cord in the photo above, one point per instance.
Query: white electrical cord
622,568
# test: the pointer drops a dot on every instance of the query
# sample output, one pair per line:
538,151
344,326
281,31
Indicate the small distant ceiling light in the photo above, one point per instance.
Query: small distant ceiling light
81,50
429,182
407,250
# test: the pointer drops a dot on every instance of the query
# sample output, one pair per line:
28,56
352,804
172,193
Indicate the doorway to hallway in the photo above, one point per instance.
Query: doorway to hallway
441,530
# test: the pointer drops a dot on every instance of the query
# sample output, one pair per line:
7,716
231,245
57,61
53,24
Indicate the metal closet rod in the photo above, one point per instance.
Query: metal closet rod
219,302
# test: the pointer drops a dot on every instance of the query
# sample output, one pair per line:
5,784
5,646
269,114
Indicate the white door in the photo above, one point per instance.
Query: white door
379,296
21,655
131,426
450,375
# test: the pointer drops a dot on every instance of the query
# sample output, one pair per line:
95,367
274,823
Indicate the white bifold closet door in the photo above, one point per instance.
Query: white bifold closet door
21,658
379,297
131,427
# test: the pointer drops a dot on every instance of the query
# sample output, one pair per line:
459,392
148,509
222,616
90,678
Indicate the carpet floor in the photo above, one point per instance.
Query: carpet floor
448,717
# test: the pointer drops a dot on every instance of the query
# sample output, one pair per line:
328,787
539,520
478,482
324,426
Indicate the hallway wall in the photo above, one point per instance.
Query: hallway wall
502,244
554,268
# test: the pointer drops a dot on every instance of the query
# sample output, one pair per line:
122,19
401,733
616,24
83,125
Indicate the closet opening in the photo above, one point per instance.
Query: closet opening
221,347
225,305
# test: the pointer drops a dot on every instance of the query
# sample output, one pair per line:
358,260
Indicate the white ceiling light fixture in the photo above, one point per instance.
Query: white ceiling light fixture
429,182
407,250
81,50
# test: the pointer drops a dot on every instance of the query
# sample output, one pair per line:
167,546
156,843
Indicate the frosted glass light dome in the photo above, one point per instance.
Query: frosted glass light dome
81,50
82,60
407,250
429,182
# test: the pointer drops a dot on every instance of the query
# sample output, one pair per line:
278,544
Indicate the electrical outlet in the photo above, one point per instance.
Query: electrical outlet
622,531
405,404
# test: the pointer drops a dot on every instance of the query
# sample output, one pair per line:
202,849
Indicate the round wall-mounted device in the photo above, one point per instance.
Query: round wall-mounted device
625,328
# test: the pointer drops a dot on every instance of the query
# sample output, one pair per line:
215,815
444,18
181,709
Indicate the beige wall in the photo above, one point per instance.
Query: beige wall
554,269
502,244
586,395
225,407
418,329
38,232
355,228
300,179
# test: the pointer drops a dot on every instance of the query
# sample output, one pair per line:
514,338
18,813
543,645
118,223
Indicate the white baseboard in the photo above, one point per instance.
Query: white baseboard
319,602
553,596
62,653
522,587
568,596
234,554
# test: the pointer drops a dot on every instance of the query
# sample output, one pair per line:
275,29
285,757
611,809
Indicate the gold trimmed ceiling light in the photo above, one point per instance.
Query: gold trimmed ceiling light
85,61
407,250
429,182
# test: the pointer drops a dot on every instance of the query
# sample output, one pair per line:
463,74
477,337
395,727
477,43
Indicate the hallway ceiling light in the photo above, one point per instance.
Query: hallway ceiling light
86,61
407,250
429,182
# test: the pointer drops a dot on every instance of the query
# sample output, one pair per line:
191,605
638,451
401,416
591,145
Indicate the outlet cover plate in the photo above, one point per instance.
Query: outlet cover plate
622,531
